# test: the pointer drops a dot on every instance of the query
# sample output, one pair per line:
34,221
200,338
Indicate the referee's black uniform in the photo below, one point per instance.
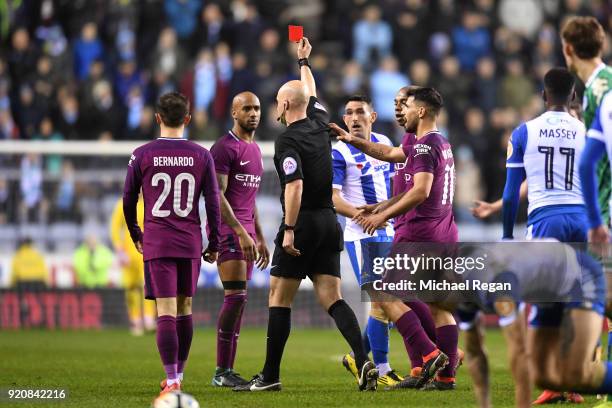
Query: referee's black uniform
303,151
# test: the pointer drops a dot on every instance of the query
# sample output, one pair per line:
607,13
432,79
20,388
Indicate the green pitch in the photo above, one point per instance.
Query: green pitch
113,369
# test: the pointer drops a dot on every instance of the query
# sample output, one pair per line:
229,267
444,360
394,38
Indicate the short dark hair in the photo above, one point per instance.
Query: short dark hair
558,84
173,107
585,35
359,98
428,96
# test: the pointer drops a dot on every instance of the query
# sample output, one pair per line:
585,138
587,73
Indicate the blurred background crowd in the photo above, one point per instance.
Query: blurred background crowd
93,69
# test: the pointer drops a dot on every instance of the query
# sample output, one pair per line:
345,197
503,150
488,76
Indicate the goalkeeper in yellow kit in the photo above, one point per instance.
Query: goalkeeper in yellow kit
141,312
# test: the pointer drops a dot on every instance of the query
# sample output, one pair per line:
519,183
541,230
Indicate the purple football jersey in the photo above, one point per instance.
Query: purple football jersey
173,173
242,162
432,220
400,179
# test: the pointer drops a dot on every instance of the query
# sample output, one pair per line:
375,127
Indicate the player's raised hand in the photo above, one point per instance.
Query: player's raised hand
304,48
482,209
210,256
248,246
139,246
341,134
288,239
264,255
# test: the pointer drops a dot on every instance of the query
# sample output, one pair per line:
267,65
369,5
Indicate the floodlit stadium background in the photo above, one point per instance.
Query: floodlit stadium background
78,82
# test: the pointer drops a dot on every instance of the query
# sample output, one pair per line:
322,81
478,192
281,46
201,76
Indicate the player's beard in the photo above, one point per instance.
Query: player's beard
411,127
248,128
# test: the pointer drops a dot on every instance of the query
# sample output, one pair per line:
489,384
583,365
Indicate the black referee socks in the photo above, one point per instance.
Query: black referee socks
346,321
279,326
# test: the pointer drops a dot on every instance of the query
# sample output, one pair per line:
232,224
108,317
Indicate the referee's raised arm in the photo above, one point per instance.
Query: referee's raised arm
306,76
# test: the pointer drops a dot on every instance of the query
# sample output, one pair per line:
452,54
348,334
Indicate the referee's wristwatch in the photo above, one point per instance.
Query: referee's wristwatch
288,227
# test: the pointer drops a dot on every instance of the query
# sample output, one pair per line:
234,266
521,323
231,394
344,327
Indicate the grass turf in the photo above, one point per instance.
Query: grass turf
112,369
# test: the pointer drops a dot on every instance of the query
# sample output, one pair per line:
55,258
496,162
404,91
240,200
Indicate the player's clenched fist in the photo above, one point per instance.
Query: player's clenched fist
210,256
304,48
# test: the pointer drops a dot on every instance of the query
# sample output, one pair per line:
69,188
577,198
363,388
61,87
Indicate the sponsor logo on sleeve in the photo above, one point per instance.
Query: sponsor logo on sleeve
420,149
289,166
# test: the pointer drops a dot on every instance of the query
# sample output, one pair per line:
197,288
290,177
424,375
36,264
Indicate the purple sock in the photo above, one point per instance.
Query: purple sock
184,331
167,344
448,338
424,314
226,323
236,335
415,339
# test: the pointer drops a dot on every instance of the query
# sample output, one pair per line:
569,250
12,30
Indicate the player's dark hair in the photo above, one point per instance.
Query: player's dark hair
585,35
558,85
429,97
359,98
173,107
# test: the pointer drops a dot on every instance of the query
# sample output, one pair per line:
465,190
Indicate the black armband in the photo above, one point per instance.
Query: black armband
303,62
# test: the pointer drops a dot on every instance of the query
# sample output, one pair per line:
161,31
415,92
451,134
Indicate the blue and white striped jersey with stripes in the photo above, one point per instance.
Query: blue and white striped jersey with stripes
361,180
549,147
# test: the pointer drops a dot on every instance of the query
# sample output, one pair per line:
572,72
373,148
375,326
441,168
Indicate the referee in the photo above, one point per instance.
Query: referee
309,240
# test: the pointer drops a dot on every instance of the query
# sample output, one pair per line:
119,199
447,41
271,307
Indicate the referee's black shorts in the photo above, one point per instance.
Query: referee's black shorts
319,237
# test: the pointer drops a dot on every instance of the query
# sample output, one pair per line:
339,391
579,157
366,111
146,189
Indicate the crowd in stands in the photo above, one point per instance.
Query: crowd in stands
93,69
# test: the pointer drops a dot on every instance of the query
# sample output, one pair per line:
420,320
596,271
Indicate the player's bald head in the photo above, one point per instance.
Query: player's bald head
294,92
244,98
246,110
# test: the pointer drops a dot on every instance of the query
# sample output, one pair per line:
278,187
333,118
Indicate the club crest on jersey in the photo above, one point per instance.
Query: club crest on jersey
132,158
421,149
289,165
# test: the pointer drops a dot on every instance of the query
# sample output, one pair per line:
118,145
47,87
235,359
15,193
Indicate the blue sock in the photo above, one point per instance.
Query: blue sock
378,332
366,341
606,386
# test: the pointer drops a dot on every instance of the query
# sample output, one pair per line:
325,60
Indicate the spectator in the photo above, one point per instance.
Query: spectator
168,58
411,22
204,81
485,85
135,106
29,112
244,78
352,78
247,29
127,77
420,73
182,16
475,134
384,83
68,119
5,202
22,58
372,37
33,204
455,88
106,113
516,89
92,261
87,49
146,129
43,83
55,45
8,129
46,132
225,71
522,17
212,29
29,270
471,41
65,203
470,187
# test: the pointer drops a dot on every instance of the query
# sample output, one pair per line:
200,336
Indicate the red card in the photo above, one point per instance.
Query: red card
296,33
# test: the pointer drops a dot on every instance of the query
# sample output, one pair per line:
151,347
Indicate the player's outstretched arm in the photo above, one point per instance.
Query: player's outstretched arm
484,209
247,244
409,200
377,150
263,254
592,153
210,190
514,178
303,51
131,189
343,207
